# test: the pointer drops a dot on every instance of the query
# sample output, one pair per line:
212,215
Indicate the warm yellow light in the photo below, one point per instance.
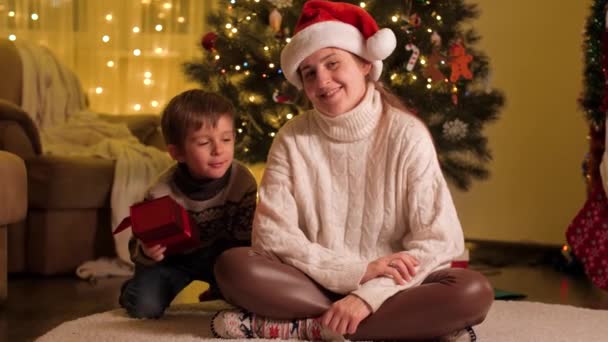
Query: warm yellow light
247,73
181,20
362,4
266,48
234,30
414,77
147,74
272,134
251,98
394,18
137,107
438,17
238,67
110,64
393,76
145,2
158,50
98,90
288,39
137,52
158,27
248,17
229,26
429,30
135,29
428,86
422,61
105,38
240,130
289,116
217,57
271,65
154,103
34,16
11,13
147,81
429,80
12,37
108,17
167,5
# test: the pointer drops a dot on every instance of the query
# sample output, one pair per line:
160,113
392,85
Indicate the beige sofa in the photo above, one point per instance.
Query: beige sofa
68,216
13,199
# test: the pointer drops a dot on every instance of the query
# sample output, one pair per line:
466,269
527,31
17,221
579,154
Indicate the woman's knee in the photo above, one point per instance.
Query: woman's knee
233,266
476,296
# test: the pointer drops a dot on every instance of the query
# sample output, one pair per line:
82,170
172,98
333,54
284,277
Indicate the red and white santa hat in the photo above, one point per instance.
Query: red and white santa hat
336,24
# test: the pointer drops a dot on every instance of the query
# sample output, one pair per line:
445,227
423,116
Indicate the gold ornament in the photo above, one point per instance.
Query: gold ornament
274,19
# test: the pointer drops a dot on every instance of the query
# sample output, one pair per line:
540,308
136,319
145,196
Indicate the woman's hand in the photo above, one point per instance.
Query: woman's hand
399,266
156,252
344,315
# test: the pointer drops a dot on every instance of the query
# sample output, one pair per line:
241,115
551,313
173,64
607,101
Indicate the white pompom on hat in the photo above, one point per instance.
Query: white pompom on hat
348,27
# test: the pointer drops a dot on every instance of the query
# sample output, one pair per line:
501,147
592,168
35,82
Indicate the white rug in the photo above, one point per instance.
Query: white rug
507,321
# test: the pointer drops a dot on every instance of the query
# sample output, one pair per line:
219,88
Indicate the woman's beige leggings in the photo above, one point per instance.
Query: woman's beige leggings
447,301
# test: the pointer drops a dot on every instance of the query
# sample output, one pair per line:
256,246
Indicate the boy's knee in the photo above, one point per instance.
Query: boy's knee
144,308
138,305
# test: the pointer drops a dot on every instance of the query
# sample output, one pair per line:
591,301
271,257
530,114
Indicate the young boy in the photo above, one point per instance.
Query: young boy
218,192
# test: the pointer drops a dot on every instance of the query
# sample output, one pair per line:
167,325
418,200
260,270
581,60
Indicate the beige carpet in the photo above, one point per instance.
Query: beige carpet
507,321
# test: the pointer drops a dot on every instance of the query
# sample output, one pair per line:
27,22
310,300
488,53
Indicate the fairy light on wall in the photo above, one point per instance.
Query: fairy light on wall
131,46
362,4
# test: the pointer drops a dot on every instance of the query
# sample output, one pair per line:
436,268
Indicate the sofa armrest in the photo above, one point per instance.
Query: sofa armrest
18,133
13,189
146,127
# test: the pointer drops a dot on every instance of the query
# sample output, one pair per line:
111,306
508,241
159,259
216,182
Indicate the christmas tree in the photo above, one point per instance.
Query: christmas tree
435,69
594,99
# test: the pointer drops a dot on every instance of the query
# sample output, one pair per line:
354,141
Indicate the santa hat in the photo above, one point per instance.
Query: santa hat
348,27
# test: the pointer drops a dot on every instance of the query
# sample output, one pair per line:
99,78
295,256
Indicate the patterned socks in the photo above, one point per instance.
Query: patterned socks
465,335
238,324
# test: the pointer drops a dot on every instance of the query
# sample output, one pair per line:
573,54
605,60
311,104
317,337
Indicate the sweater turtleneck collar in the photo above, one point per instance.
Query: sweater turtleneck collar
355,124
199,189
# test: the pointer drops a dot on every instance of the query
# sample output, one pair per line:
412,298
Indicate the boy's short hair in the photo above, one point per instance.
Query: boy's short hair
191,110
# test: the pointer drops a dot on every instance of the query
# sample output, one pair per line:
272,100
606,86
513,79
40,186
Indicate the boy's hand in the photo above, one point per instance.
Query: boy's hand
156,252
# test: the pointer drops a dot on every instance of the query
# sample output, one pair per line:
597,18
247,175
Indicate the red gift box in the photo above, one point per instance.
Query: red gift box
162,221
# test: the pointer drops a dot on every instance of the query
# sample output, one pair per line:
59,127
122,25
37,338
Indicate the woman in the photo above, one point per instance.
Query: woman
355,226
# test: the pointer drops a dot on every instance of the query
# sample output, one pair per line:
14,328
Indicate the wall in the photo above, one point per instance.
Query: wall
536,186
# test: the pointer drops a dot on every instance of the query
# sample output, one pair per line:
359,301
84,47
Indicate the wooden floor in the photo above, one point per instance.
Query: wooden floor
37,304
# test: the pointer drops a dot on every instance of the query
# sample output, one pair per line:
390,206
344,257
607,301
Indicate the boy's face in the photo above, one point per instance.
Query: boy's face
208,152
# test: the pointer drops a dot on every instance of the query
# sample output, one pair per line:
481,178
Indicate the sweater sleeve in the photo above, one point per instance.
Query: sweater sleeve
276,229
434,236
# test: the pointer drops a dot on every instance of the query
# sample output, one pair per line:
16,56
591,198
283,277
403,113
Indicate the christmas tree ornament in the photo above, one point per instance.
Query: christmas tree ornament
459,61
411,63
274,19
278,97
435,39
281,3
432,71
455,130
208,41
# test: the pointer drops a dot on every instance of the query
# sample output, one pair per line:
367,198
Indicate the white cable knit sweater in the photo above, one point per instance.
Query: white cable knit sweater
341,192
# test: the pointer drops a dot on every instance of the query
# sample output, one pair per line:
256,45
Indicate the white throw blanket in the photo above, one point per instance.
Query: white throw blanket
53,98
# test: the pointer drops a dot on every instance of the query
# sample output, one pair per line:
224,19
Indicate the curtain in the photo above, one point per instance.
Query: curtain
128,54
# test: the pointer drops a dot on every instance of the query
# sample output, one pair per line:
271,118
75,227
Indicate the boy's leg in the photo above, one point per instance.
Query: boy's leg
152,289
447,301
268,287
